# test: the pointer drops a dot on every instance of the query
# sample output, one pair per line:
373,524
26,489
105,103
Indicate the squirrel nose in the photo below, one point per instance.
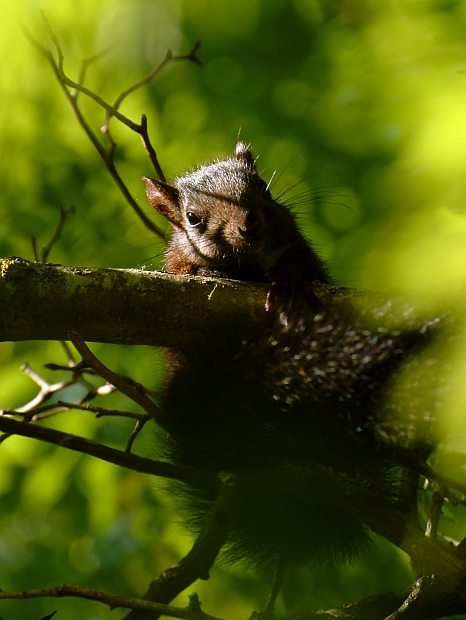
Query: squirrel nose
250,230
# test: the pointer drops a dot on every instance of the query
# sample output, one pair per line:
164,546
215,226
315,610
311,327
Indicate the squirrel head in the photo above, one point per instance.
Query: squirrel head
218,212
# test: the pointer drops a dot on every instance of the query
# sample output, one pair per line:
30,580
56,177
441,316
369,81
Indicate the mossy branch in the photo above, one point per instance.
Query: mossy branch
45,302
40,301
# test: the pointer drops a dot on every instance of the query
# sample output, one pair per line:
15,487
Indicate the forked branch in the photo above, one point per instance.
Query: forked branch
71,90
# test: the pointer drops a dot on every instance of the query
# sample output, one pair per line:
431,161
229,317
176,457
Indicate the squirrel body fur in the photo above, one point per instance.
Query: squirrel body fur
313,388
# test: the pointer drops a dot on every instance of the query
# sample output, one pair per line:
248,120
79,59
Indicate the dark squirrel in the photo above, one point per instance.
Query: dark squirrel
311,388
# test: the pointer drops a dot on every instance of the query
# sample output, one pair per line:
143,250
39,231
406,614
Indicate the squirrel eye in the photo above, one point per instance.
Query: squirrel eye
193,219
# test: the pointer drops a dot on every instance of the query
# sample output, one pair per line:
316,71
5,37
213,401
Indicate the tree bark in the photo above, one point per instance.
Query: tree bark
44,302
41,301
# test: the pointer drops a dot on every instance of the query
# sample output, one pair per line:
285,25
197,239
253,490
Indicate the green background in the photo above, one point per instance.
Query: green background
357,106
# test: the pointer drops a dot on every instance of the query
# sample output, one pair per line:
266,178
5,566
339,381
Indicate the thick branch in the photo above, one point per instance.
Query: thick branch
45,302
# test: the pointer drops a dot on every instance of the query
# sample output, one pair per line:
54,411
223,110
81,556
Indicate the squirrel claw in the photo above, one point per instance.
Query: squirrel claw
286,296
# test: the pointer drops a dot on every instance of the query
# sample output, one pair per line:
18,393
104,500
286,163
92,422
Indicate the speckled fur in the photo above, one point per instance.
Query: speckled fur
314,388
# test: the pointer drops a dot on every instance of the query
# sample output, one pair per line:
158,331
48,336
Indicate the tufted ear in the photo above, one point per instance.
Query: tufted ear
243,154
165,199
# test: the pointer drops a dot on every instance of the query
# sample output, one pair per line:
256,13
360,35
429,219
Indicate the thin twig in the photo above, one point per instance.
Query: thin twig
102,412
69,355
190,475
45,392
35,252
150,149
84,67
33,411
268,612
142,128
113,110
140,423
64,82
425,470
141,419
64,215
168,57
131,389
112,600
43,412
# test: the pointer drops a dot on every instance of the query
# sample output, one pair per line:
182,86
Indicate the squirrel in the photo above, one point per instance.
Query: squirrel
312,387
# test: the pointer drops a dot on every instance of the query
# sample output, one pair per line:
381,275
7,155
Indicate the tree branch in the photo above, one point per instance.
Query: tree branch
112,600
383,605
190,475
137,307
46,302
130,306
130,388
71,97
198,562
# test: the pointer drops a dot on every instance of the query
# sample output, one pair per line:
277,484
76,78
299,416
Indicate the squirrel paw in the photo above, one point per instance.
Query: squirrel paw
292,297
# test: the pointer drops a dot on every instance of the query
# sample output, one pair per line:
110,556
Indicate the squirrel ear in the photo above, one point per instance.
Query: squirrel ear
243,154
164,198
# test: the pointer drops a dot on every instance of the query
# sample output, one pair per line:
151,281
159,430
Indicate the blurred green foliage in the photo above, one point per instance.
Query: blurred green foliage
356,105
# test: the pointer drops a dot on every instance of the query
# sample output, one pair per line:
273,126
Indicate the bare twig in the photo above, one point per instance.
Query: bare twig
128,387
112,600
107,158
424,470
141,419
168,57
48,389
268,612
45,411
35,252
140,423
33,409
84,67
111,111
382,605
198,562
196,477
150,149
274,591
69,354
103,412
64,215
